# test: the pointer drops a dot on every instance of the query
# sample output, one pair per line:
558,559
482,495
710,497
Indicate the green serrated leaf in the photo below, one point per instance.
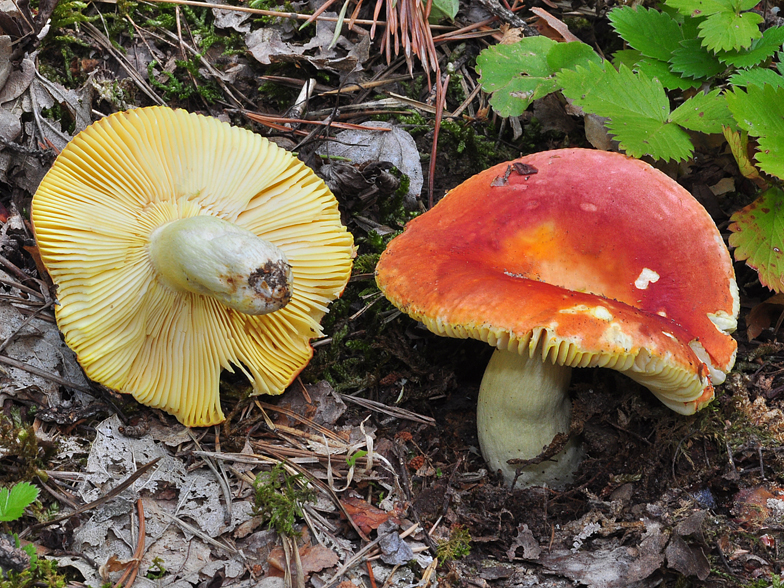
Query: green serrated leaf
627,57
760,49
757,76
699,7
760,111
520,73
516,74
569,55
645,136
637,106
654,34
444,9
725,28
745,4
692,60
13,503
654,68
739,145
758,237
729,31
704,113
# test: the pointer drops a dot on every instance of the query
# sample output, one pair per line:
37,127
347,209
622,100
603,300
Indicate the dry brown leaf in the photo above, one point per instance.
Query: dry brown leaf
751,506
763,314
553,24
366,516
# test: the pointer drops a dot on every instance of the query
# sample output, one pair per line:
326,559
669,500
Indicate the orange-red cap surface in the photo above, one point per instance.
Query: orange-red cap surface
596,259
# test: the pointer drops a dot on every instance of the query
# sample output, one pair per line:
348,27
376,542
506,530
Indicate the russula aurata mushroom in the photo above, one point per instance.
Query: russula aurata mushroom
562,259
180,246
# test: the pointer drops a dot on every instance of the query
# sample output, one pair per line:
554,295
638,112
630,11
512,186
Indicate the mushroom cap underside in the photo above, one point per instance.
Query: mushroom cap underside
595,259
133,171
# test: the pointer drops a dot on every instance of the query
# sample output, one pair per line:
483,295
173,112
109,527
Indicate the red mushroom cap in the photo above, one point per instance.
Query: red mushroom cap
593,258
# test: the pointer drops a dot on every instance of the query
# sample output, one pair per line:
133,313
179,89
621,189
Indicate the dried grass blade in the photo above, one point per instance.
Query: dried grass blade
105,498
441,102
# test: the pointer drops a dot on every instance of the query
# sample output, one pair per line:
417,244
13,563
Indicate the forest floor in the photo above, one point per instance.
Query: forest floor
383,420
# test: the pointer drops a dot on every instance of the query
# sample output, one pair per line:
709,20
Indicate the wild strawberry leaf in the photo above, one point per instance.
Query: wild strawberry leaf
444,9
627,57
660,70
568,55
704,113
13,503
758,237
654,34
522,72
760,111
692,60
760,49
727,31
637,106
756,76
725,28
516,74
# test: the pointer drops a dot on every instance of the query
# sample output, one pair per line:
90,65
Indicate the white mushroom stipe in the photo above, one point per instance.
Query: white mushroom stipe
523,404
210,256
646,278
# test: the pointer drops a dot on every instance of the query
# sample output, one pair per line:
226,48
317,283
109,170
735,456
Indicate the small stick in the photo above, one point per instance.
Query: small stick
132,570
105,498
294,15
45,375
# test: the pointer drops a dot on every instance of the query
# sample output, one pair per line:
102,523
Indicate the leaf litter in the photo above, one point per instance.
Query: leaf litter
388,447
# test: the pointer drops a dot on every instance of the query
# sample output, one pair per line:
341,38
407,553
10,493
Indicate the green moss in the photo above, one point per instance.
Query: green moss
279,498
69,12
19,441
42,572
156,570
457,546
179,86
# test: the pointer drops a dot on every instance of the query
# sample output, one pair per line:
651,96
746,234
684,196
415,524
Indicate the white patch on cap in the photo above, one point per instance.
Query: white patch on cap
599,312
588,207
615,336
646,277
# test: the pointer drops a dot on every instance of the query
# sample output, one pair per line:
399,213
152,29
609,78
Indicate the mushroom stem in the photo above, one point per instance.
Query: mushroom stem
210,256
523,405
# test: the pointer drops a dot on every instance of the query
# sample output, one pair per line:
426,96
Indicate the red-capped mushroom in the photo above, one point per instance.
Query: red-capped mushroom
562,259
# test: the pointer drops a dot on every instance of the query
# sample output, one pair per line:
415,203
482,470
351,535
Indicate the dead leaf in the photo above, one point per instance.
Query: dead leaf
314,558
751,506
18,81
550,113
611,565
763,314
114,564
5,59
231,19
394,551
723,186
525,539
366,516
692,525
396,146
688,560
553,24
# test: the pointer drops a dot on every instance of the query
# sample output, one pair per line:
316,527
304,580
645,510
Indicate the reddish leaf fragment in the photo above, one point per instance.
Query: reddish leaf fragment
366,516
